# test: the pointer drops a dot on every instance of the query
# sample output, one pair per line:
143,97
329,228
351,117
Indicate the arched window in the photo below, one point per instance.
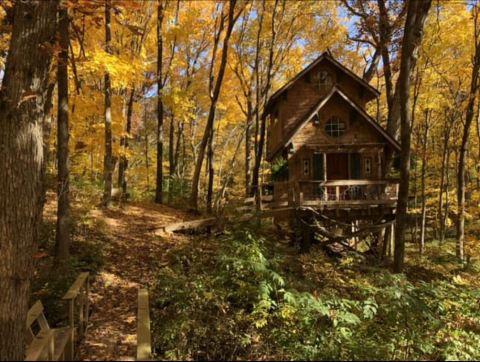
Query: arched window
335,127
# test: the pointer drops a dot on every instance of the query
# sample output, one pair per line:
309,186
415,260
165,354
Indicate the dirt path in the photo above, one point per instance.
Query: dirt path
131,253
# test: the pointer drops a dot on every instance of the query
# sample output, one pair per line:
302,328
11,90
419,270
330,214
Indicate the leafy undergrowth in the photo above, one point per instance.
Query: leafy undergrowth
248,295
49,284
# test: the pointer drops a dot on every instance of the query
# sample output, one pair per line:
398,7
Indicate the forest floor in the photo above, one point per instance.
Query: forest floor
131,252
204,283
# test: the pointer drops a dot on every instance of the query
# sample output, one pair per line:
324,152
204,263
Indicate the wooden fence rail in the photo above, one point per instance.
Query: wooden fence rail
58,344
144,339
48,344
77,297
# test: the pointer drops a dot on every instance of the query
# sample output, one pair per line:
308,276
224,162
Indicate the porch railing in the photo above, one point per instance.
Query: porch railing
336,192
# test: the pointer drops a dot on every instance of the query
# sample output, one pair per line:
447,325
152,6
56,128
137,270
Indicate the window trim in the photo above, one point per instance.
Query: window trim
306,167
338,131
367,160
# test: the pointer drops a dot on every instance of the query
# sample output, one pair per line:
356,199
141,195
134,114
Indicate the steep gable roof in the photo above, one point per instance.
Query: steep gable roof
315,109
325,56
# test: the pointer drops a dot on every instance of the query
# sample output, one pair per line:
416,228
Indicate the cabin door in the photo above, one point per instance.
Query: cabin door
337,166
337,169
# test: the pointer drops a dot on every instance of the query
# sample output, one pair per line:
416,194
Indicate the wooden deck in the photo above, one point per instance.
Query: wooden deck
337,194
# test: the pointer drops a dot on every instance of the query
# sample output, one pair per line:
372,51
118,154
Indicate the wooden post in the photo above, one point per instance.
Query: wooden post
81,298
324,167
290,196
144,343
71,323
87,308
379,165
392,240
337,193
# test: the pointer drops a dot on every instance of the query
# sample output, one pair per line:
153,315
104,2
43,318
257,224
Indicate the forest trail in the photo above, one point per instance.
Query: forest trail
131,252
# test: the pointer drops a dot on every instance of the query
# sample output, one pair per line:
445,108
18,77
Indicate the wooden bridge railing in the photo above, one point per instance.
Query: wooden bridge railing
77,298
48,344
144,339
57,344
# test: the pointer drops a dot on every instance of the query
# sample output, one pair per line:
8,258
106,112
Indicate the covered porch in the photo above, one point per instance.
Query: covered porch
335,193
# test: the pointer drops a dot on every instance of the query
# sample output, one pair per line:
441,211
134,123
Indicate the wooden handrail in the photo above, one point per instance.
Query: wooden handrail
42,343
45,343
76,287
144,339
78,292
350,182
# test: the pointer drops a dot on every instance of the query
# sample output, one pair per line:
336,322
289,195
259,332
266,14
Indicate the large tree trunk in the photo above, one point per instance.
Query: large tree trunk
214,94
62,240
465,140
108,158
159,180
22,98
417,11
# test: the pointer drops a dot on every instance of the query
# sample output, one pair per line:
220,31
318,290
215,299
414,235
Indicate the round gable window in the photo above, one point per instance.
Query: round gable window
335,127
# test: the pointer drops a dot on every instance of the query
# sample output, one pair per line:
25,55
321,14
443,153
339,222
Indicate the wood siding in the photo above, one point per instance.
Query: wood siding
298,101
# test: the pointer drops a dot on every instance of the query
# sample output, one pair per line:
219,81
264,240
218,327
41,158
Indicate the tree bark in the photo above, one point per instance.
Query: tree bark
171,149
159,180
123,163
444,167
417,11
211,171
261,142
171,157
22,98
62,240
422,179
108,158
465,139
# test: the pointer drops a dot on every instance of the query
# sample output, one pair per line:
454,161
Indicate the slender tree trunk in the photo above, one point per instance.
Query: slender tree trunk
228,177
385,39
62,244
171,157
261,142
422,180
441,226
171,149
447,198
159,181
22,97
47,131
415,200
176,155
147,157
465,140
478,136
417,11
372,68
248,154
214,94
211,171
123,163
108,159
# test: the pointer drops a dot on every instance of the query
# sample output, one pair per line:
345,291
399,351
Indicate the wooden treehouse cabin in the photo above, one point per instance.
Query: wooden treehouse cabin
326,152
